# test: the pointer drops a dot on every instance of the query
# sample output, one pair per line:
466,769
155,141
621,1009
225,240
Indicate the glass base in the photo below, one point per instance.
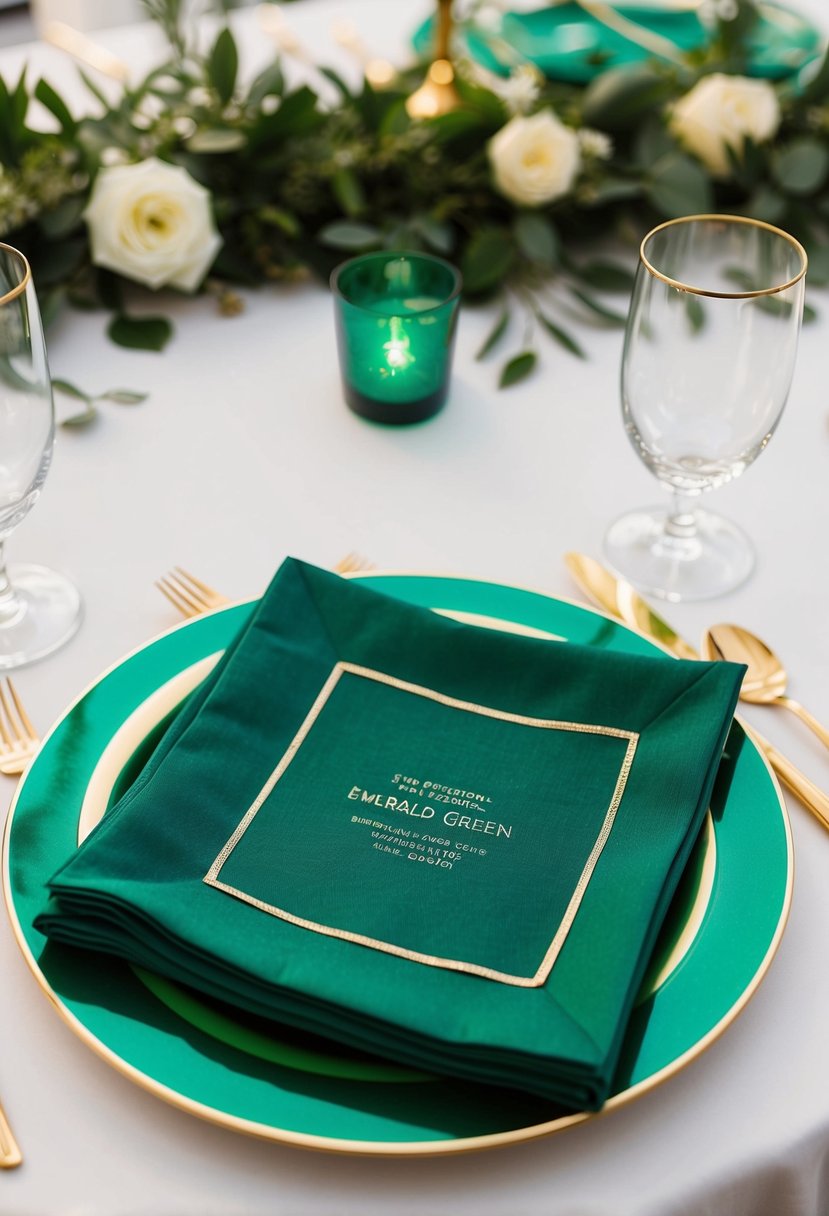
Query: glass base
394,413
48,613
707,561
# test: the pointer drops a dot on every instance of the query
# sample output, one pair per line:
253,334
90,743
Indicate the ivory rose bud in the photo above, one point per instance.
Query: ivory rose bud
721,112
152,223
534,160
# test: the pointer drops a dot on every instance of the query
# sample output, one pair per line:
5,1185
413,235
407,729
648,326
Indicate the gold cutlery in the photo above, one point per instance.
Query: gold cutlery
10,1154
192,597
352,562
79,46
189,594
18,743
618,598
18,738
766,678
627,605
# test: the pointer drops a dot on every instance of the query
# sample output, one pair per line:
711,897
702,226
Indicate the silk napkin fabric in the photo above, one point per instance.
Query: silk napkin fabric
445,845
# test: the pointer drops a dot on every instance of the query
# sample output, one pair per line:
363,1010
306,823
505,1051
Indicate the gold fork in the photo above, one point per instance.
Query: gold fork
189,594
192,597
18,743
18,738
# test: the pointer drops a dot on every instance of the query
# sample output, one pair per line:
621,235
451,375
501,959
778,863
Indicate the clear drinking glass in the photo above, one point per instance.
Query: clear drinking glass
708,360
39,609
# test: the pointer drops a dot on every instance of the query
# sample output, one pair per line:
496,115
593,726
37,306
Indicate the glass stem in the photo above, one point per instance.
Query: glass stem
11,607
678,540
681,522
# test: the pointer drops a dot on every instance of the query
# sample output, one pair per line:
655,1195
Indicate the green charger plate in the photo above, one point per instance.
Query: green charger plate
247,1075
566,42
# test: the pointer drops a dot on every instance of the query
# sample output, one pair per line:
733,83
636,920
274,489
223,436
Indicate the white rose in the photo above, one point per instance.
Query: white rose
534,160
152,223
721,112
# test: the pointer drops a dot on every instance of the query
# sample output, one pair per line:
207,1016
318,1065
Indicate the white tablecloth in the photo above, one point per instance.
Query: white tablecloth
245,452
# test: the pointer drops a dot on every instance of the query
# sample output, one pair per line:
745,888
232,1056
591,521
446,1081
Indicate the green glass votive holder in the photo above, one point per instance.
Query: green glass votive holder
396,315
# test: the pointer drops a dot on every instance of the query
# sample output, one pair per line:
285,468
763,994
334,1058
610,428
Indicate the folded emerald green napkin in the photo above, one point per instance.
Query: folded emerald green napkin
445,845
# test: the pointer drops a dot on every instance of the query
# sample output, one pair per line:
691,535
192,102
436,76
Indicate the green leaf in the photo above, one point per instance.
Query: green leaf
484,102
348,191
70,390
140,333
223,65
51,302
741,278
487,260
613,190
62,219
84,303
606,276
216,140
82,419
93,88
436,233
809,314
695,312
766,203
55,261
297,115
337,81
747,163
495,334
802,167
456,125
47,97
813,81
600,310
122,396
269,83
19,102
679,186
110,290
615,100
347,234
652,140
395,120
278,217
735,28
518,368
561,336
536,238
8,135
818,265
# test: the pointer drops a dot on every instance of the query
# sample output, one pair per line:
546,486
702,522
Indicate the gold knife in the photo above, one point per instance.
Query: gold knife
619,599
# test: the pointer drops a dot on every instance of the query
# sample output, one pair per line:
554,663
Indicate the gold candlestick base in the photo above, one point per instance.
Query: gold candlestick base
437,95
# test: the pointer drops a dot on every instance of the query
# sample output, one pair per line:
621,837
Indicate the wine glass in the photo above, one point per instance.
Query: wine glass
708,360
39,609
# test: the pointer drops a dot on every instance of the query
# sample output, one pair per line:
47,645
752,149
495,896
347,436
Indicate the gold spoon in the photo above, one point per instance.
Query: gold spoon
766,679
620,600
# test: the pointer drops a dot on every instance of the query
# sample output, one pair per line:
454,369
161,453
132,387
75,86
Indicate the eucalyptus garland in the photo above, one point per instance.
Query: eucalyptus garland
518,186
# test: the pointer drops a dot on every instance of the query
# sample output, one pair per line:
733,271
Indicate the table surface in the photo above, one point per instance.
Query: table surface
244,452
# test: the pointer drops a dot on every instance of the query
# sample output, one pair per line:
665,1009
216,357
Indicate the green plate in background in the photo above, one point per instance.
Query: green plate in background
567,43
244,1073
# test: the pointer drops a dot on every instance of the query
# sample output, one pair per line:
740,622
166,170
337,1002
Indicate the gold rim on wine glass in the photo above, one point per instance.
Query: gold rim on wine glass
20,287
725,295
